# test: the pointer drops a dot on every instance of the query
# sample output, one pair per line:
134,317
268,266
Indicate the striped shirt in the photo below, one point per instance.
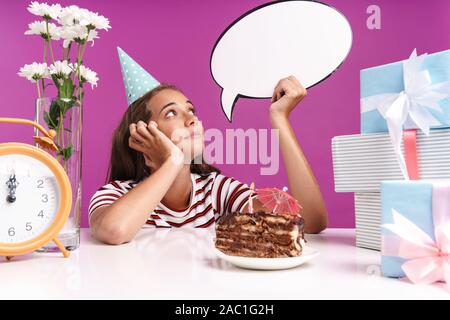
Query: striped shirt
213,195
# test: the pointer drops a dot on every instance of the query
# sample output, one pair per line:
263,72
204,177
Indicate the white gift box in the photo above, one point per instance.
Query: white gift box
362,161
368,220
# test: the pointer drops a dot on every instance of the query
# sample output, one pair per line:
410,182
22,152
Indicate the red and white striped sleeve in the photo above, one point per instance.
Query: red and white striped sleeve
229,194
107,194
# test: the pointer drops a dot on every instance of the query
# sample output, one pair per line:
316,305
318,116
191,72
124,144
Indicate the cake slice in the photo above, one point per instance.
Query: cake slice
260,234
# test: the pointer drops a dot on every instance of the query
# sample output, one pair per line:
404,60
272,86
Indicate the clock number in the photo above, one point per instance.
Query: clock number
40,183
11,232
44,198
28,226
41,214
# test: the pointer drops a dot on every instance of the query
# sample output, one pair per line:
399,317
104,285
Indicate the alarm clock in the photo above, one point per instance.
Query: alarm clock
35,194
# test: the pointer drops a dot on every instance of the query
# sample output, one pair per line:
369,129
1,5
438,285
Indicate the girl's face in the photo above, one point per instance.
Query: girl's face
176,118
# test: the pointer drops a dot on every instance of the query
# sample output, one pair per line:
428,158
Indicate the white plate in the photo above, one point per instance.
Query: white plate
269,263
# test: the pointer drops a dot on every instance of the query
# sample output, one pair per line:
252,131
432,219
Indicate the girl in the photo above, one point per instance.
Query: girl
156,178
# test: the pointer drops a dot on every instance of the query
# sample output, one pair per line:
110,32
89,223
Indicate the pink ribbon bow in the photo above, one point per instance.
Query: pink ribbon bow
428,261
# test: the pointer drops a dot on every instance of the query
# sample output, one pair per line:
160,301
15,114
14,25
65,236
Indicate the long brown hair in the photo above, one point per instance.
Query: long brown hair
129,164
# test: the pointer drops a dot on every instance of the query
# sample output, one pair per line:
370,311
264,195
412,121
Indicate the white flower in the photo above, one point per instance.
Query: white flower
72,15
80,25
69,33
40,28
77,33
44,10
61,68
87,75
34,71
95,21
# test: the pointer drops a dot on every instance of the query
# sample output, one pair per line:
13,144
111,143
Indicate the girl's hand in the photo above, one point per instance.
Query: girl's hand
155,145
287,94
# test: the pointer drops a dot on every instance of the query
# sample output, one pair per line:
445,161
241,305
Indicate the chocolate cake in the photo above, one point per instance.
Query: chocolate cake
260,234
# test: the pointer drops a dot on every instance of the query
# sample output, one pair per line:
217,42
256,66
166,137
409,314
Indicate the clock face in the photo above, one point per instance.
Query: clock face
29,198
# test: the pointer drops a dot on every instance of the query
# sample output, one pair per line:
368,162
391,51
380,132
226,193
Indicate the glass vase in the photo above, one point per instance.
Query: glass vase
65,117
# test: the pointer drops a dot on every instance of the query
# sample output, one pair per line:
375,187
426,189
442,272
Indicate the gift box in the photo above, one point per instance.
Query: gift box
368,220
362,161
417,76
415,218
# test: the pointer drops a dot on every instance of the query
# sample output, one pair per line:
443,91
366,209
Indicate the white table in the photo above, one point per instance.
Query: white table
180,264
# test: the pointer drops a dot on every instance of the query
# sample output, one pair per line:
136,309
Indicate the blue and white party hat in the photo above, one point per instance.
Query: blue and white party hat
137,81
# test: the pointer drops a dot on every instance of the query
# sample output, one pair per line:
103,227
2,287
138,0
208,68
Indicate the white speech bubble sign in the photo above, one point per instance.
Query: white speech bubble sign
307,39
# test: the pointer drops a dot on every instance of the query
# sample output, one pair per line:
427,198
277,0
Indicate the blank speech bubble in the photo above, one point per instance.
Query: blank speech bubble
307,39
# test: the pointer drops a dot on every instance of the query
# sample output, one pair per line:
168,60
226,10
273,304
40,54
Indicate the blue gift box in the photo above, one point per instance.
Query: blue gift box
412,199
389,79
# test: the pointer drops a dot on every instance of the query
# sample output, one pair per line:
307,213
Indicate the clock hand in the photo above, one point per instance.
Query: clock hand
12,185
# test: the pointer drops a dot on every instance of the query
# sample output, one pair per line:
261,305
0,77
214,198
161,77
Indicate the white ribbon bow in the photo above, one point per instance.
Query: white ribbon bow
409,108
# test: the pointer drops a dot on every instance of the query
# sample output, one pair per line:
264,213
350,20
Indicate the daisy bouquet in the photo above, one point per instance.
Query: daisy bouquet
69,30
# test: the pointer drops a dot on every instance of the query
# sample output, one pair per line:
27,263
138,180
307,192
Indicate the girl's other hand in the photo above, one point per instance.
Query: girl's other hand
155,145
287,94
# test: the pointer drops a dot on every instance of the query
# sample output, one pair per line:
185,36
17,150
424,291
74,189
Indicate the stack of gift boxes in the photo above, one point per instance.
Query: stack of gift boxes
361,162
402,152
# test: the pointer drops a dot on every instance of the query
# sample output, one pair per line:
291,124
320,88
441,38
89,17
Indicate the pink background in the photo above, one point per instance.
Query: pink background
173,41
